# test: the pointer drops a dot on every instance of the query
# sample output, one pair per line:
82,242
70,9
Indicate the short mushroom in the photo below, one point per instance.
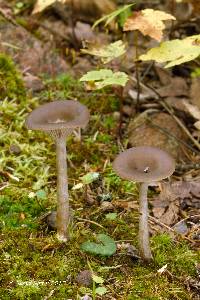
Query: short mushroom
59,119
144,165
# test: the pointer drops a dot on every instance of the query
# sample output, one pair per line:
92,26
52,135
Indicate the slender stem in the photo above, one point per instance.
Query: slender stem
121,100
137,72
62,190
144,244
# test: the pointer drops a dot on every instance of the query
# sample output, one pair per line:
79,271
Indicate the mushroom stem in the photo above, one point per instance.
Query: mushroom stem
62,219
144,244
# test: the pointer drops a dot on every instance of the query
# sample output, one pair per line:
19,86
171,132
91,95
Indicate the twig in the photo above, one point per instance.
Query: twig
170,111
185,167
7,17
89,221
73,24
169,228
172,136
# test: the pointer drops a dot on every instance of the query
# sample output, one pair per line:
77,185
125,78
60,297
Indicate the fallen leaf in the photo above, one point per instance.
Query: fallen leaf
181,227
22,216
195,91
171,215
192,109
175,52
42,4
149,22
177,87
197,125
77,186
173,197
127,205
163,269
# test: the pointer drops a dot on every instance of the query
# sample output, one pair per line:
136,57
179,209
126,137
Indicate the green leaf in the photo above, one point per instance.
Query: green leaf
101,290
106,248
123,16
97,279
41,194
175,52
109,52
111,216
110,17
89,177
105,77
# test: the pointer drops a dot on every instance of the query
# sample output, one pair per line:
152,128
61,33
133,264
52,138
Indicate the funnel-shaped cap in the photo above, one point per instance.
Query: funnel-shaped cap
66,114
144,164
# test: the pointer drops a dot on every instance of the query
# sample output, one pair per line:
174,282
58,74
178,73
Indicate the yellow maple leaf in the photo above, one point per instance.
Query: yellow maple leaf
42,4
149,22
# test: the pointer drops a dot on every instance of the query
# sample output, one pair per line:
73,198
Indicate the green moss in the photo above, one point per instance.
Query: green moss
34,264
11,84
180,258
148,285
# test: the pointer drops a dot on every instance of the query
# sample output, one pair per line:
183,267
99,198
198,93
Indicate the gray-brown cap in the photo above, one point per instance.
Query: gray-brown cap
144,164
58,115
58,118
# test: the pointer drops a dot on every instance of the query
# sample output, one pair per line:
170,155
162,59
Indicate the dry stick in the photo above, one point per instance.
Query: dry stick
7,17
121,99
73,24
169,228
170,111
172,8
186,167
143,224
181,125
90,221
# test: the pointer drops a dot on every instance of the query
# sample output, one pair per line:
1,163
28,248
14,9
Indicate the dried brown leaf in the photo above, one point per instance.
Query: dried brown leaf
149,22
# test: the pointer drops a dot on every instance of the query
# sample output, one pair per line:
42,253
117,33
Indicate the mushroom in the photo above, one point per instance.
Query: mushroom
144,165
59,119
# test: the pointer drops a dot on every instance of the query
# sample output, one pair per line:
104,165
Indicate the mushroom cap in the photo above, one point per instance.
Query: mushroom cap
144,164
57,115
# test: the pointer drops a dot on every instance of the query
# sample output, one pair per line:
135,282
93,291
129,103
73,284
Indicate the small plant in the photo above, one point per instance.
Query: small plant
100,290
149,22
105,247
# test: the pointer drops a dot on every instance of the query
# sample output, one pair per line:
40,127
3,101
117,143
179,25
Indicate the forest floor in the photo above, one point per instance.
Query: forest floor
34,265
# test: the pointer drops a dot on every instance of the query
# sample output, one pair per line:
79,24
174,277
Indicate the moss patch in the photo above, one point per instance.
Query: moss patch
34,265
11,84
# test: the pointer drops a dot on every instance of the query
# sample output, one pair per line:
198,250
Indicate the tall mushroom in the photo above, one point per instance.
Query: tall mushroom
144,164
59,119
